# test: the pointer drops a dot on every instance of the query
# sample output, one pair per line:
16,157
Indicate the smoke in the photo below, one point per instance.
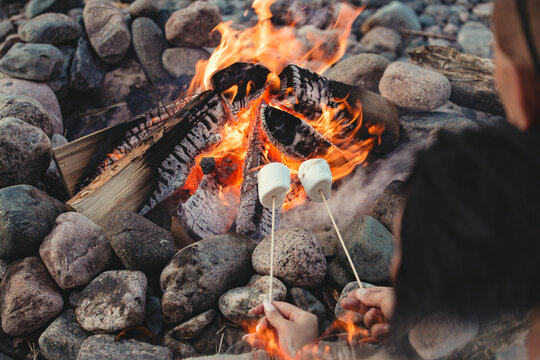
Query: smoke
357,191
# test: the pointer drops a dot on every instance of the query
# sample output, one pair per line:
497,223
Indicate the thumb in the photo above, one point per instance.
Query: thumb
273,315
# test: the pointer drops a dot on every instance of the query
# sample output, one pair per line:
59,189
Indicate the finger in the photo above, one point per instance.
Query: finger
371,317
274,316
257,310
371,297
252,340
380,331
354,304
286,309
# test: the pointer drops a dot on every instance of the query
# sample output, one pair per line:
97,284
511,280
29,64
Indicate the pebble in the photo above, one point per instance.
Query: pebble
194,326
413,88
6,28
143,8
371,247
394,15
118,83
39,62
107,30
381,40
181,61
152,319
36,91
175,307
37,7
425,123
483,11
63,338
113,301
307,302
338,275
475,38
181,349
363,70
328,241
235,304
28,110
50,28
388,204
75,251
193,25
216,265
298,258
149,44
29,296
100,347
26,152
138,242
341,313
60,84
87,70
439,12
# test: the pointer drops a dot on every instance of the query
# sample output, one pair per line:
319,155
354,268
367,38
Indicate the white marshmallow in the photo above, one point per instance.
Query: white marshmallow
315,176
274,180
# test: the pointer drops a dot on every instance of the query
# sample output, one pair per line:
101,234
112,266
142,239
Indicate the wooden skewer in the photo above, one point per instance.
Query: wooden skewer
342,242
272,249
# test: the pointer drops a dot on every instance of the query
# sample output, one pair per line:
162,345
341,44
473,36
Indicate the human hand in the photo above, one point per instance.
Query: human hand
376,304
294,327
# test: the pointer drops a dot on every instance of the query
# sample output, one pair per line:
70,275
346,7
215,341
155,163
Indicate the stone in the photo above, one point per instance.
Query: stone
328,241
414,89
483,11
388,204
63,338
37,7
425,123
107,30
75,251
475,38
307,302
181,61
138,242
26,152
381,40
27,215
363,70
193,25
118,83
193,327
338,275
236,303
40,62
175,307
143,8
113,301
181,349
426,20
394,15
37,91
87,70
438,335
152,320
298,257
60,84
29,297
371,247
208,268
50,28
105,347
439,12
6,28
341,313
149,44
28,110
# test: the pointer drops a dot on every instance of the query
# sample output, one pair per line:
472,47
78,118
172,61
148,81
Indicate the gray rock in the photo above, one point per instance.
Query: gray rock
388,204
149,44
307,302
371,246
140,8
394,15
63,338
475,38
138,242
107,30
26,152
37,7
113,301
483,11
439,12
205,270
338,275
75,251
381,40
50,28
193,25
29,297
363,70
235,304
58,140
413,88
328,241
105,347
427,122
152,319
117,84
60,84
298,257
175,307
6,28
181,61
26,216
87,70
347,314
438,335
27,110
181,349
193,327
36,91
40,62
426,20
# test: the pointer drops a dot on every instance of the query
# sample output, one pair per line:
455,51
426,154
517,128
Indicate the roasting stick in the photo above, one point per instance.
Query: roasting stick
316,179
274,181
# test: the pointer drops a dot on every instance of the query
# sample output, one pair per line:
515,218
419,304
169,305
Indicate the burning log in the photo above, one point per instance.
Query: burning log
204,121
473,83
254,220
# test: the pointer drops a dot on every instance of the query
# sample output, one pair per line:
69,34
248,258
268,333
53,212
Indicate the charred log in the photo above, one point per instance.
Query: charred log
203,121
240,83
254,220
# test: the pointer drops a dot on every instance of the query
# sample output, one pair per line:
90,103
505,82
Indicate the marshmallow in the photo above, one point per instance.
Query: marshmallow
274,180
315,176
